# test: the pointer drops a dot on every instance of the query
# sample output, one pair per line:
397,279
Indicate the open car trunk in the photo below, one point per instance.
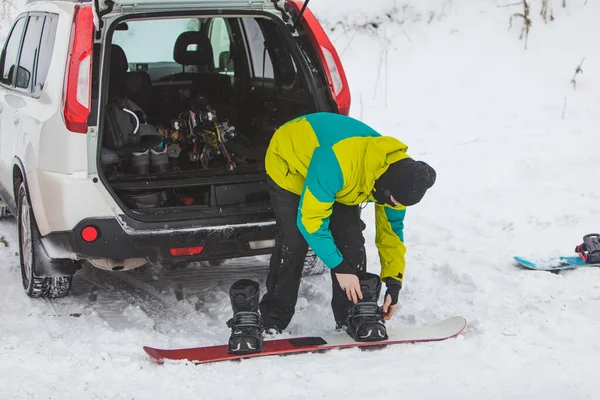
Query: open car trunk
190,106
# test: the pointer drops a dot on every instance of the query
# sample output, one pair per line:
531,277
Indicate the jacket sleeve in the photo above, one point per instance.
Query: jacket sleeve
323,180
389,238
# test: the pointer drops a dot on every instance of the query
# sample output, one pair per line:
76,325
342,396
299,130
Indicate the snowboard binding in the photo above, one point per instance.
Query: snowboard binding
365,319
246,330
589,250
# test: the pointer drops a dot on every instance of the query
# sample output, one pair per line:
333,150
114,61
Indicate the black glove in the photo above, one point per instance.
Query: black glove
393,289
344,268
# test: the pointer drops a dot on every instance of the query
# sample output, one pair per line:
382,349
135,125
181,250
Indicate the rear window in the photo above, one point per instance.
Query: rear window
149,44
251,47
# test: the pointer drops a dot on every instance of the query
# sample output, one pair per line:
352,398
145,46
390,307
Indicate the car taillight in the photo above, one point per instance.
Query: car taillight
186,251
330,60
76,94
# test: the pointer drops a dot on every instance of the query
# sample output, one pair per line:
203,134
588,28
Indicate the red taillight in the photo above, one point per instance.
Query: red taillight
186,251
336,77
76,95
89,234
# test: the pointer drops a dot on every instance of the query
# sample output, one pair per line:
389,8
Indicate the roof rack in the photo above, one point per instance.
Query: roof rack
55,1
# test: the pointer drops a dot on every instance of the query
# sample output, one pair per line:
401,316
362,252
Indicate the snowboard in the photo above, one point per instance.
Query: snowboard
553,264
442,330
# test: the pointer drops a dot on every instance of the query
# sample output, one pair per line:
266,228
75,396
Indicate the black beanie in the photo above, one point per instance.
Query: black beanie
407,180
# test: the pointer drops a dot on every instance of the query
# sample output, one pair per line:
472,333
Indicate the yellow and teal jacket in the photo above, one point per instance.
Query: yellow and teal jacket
325,158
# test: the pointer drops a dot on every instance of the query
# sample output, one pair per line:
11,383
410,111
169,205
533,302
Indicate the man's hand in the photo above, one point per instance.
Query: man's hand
351,285
391,298
388,309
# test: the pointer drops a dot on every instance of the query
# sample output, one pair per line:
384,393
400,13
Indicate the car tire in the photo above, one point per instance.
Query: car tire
313,264
33,258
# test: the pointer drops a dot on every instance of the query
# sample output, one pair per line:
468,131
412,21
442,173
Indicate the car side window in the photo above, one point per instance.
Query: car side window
11,51
261,63
30,52
220,40
45,53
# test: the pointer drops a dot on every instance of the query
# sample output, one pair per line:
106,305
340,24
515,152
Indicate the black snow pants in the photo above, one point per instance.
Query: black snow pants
277,305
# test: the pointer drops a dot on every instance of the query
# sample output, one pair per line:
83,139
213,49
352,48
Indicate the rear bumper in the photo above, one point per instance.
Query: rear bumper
60,201
118,241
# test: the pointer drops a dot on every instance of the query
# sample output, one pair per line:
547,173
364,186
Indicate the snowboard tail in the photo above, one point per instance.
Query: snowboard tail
442,330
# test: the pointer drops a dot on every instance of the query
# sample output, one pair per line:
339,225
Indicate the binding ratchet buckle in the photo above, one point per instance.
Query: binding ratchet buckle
589,250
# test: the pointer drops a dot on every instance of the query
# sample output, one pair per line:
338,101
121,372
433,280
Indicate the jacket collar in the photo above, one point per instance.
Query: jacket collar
380,153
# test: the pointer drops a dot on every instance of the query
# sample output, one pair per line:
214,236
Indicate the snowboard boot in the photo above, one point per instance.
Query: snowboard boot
246,336
365,320
140,163
159,161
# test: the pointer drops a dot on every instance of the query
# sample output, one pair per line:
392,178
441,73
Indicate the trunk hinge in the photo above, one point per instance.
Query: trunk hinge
109,7
285,16
101,13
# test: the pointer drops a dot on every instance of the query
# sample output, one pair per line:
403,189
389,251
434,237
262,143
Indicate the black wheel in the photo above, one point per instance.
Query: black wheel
313,264
37,269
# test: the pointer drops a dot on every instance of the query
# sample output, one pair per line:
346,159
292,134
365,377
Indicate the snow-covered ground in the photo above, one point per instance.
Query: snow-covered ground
516,149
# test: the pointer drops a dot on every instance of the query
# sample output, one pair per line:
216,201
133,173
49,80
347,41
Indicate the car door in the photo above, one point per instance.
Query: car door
8,102
35,106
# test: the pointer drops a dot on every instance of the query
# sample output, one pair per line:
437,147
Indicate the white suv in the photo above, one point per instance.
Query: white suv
135,131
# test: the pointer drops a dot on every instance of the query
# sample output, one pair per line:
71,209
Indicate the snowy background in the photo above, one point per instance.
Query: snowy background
516,148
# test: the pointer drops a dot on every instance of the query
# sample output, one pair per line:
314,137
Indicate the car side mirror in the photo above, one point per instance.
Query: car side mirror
23,77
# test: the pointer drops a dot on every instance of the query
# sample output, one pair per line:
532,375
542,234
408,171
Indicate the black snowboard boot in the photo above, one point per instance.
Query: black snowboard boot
365,320
245,325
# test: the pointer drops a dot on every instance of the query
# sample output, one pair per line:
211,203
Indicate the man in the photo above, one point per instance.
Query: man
321,167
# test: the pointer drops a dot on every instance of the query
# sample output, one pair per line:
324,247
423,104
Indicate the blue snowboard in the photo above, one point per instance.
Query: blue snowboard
553,264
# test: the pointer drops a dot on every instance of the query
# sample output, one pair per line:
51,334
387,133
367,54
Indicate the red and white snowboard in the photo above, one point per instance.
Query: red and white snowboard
442,330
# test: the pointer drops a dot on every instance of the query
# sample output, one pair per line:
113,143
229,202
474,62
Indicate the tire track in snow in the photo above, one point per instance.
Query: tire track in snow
180,301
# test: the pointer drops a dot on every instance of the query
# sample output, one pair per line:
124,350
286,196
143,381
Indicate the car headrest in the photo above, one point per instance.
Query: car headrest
201,56
118,61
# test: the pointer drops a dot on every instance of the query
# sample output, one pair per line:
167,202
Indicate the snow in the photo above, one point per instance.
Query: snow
515,148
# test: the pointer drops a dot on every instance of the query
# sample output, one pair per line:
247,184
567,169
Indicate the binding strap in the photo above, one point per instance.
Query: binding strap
589,250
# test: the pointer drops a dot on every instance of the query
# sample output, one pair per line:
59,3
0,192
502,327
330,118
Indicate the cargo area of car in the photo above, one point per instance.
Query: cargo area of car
190,105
